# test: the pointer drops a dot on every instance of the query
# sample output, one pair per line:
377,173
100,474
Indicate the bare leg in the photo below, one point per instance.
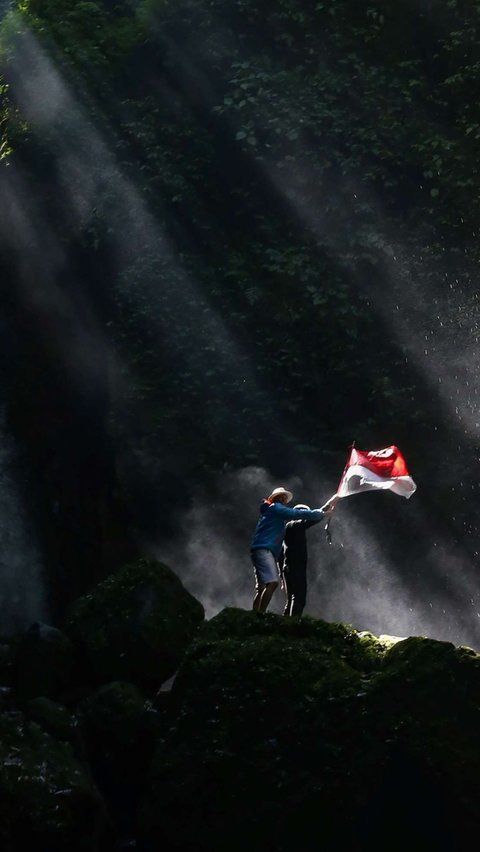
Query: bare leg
258,597
266,596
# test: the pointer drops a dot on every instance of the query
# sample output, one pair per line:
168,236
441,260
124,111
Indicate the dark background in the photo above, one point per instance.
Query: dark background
236,237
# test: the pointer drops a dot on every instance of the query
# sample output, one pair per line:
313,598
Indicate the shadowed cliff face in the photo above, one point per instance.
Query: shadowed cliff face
57,402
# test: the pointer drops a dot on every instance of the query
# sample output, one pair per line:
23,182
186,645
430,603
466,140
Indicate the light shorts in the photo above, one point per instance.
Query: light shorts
265,566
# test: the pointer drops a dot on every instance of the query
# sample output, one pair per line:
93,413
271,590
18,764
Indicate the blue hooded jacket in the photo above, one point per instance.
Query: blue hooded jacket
270,528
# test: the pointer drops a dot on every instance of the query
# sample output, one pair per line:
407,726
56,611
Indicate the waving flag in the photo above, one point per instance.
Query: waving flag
374,470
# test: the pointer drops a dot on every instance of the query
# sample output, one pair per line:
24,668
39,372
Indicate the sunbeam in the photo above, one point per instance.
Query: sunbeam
152,290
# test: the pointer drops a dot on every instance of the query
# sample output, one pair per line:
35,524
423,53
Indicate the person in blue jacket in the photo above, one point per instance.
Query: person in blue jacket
267,541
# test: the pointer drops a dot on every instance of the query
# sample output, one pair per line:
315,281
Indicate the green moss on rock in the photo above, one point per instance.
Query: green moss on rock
303,734
136,625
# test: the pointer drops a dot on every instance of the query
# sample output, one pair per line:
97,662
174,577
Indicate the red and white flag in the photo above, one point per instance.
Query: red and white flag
374,470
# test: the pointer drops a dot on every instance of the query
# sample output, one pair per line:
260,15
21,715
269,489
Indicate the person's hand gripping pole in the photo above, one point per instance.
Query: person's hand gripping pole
327,510
330,504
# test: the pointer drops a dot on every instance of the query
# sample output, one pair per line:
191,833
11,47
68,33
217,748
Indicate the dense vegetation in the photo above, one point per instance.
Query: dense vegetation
242,234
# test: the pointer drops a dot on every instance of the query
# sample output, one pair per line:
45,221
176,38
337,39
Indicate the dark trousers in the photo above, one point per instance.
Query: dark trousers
295,582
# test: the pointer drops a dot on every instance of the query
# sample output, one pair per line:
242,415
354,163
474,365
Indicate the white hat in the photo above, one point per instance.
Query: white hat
277,491
301,506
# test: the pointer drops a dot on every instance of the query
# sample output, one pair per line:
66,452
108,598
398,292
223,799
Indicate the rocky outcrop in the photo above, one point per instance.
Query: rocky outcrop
276,734
295,733
135,626
75,747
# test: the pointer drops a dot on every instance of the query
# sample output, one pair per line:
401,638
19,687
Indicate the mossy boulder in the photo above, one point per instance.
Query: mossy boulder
292,733
135,626
427,701
48,800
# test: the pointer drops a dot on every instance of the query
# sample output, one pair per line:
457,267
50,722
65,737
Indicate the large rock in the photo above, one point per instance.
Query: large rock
427,702
136,625
48,801
295,733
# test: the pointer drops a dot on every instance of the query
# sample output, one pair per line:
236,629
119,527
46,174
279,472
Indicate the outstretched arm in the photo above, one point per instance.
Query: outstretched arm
305,514
326,510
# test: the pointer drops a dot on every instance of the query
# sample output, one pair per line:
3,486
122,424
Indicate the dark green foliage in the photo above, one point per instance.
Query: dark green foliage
89,35
286,205
268,210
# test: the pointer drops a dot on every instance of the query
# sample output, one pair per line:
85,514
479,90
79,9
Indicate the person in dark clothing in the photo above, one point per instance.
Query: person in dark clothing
294,560
267,541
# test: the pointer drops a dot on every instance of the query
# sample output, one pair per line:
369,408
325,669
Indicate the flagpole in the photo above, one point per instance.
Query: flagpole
328,534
